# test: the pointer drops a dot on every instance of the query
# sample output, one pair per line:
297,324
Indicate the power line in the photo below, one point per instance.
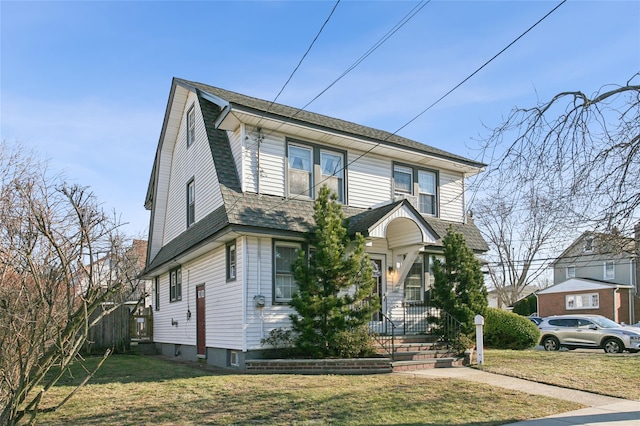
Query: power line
410,15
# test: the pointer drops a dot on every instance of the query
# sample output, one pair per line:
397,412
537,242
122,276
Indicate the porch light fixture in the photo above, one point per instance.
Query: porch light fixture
391,270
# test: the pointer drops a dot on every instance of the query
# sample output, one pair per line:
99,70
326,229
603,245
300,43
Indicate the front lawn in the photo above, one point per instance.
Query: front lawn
593,371
137,390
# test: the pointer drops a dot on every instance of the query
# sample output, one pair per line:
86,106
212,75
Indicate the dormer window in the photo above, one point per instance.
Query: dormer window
403,180
409,180
312,166
300,171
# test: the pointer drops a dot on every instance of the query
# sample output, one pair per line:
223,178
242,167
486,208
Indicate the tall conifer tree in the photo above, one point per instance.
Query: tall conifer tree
335,282
459,283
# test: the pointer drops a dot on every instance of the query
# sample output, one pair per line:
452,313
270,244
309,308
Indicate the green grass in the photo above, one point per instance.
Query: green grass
135,390
593,371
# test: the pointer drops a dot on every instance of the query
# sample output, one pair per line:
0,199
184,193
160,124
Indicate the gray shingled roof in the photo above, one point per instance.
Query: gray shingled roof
295,114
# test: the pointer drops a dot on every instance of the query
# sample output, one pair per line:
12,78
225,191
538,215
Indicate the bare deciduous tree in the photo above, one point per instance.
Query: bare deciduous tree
569,164
581,149
51,234
517,230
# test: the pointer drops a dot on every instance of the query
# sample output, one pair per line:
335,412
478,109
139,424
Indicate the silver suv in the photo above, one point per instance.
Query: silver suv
588,331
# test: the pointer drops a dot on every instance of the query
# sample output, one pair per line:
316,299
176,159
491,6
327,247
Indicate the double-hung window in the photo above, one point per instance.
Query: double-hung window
422,184
191,126
403,180
609,270
312,166
191,202
175,284
427,192
571,271
414,283
333,172
284,285
231,261
300,171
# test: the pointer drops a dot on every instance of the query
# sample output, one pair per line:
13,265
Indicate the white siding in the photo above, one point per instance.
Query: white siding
250,178
163,330
260,321
193,162
235,141
451,196
369,180
272,165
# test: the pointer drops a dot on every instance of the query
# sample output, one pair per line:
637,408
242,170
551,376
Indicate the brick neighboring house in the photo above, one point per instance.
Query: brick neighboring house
596,274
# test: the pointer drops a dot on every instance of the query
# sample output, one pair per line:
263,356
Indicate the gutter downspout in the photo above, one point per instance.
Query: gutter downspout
615,304
245,283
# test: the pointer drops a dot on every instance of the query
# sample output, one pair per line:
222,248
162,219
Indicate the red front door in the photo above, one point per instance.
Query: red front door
201,322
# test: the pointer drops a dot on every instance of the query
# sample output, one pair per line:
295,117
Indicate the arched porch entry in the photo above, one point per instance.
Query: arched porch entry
396,241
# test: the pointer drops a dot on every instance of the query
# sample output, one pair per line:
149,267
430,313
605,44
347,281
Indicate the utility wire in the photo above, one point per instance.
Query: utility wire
303,56
430,106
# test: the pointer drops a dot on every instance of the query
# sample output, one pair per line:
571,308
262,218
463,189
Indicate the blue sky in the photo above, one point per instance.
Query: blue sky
86,83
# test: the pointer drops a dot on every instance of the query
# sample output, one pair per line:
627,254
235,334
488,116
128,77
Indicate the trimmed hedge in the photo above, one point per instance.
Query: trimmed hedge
506,330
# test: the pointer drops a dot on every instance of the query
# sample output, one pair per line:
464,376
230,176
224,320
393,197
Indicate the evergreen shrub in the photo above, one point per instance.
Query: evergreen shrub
506,330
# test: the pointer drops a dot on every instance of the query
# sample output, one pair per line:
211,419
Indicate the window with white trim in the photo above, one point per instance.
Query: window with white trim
571,271
588,245
414,282
408,180
332,172
402,180
427,192
231,261
582,301
609,270
175,284
191,202
300,171
191,126
284,257
311,166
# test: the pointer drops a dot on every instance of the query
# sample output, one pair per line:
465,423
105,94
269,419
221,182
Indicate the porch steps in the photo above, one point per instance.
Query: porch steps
416,352
143,348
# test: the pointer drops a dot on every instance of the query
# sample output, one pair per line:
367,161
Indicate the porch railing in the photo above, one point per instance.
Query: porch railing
415,319
384,332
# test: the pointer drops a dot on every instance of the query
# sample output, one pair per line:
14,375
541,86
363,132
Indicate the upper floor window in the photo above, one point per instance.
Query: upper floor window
300,171
403,180
571,271
332,172
421,183
191,126
231,261
284,285
588,244
427,192
191,202
609,270
175,284
308,162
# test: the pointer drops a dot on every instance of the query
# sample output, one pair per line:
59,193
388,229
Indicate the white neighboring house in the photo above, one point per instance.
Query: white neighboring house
231,195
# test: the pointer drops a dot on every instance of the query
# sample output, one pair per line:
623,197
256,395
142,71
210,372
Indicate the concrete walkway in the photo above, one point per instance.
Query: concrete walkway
600,411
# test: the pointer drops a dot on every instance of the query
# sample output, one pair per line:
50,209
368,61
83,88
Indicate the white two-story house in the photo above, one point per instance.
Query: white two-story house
231,195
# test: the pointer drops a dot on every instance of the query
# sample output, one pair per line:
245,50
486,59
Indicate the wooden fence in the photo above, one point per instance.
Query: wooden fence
111,332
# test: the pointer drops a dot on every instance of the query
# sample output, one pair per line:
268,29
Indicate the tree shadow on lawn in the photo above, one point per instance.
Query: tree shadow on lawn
135,369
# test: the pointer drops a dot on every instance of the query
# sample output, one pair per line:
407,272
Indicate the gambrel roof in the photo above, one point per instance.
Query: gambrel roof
268,214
